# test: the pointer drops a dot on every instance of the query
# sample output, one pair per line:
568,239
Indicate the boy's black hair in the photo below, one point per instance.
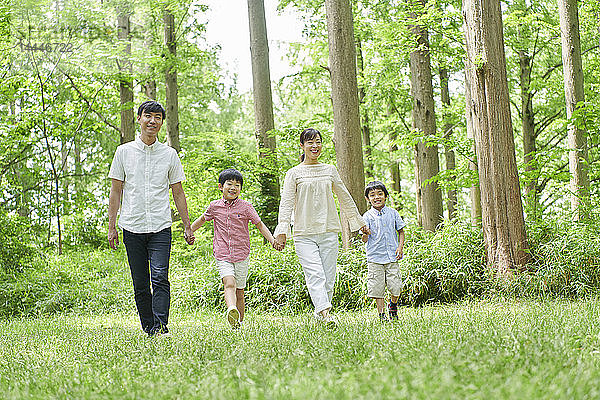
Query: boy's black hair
376,185
152,106
231,174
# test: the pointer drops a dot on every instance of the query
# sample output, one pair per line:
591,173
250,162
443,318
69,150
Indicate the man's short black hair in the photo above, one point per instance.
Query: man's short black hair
152,106
231,174
376,185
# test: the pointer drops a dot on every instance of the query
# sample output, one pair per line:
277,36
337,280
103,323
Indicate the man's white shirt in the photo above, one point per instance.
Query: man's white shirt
147,173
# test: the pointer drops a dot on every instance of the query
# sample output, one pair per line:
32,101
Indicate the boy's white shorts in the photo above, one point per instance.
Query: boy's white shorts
239,270
381,275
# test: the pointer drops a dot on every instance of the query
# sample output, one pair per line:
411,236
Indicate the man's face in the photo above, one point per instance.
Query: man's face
150,122
231,189
377,198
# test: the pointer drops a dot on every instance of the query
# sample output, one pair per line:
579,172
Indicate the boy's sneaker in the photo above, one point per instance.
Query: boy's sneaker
383,318
233,317
393,310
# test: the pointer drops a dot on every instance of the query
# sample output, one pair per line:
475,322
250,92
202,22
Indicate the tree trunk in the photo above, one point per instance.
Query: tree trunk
263,114
502,210
78,170
474,191
394,165
344,94
126,81
574,96
395,168
365,128
171,95
448,152
22,201
150,89
149,86
64,171
429,196
529,136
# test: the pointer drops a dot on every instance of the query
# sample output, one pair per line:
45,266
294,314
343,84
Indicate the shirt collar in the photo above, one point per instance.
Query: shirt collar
143,146
381,212
233,203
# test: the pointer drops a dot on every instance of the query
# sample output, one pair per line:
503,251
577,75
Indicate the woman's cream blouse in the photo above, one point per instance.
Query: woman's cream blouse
308,195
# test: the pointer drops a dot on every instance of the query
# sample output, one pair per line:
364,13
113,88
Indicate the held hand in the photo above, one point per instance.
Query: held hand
113,238
399,253
188,235
365,230
279,243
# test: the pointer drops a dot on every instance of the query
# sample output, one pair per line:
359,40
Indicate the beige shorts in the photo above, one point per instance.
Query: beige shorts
239,270
381,275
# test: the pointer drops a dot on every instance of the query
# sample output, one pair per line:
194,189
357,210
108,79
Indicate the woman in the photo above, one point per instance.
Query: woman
308,193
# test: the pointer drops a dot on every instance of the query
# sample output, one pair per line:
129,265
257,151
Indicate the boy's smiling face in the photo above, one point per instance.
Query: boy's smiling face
376,198
231,189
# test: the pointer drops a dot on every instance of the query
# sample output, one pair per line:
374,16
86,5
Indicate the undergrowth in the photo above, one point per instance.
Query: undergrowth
445,266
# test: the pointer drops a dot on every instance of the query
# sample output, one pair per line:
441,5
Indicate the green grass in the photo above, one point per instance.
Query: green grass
479,350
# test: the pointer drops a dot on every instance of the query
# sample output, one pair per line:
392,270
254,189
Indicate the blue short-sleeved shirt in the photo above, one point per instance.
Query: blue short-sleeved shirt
383,240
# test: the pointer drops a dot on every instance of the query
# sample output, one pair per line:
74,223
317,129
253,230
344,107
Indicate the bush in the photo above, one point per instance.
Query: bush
81,230
350,290
18,245
83,281
446,265
565,261
275,280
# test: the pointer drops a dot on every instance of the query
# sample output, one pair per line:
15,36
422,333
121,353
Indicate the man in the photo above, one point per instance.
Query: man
142,172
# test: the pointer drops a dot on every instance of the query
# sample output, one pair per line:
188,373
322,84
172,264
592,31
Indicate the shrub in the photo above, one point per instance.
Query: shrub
83,281
350,290
445,265
275,280
18,244
565,261
81,230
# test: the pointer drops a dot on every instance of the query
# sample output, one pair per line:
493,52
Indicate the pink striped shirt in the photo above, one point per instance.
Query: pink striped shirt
231,238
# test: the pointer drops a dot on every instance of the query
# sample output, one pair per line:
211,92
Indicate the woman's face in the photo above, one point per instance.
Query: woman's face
312,149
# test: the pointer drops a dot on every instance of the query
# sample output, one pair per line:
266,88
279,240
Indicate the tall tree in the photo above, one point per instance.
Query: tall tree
429,196
263,113
344,95
365,127
574,95
171,89
394,165
448,151
502,211
528,131
474,190
126,80
149,86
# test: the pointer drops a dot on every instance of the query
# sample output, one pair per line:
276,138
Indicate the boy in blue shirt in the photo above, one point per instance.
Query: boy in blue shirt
384,246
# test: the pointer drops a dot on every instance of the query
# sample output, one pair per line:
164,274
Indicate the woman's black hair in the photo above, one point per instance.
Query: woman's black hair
231,174
376,185
152,106
308,134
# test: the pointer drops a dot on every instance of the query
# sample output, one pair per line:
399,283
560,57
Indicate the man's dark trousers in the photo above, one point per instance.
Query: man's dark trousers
148,256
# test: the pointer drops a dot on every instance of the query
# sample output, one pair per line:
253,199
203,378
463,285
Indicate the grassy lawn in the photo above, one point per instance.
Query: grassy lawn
481,350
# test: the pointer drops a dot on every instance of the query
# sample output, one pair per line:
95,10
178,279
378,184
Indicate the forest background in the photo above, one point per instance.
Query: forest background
73,72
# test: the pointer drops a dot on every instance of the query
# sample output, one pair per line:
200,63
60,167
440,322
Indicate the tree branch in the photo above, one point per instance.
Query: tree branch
41,182
82,97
